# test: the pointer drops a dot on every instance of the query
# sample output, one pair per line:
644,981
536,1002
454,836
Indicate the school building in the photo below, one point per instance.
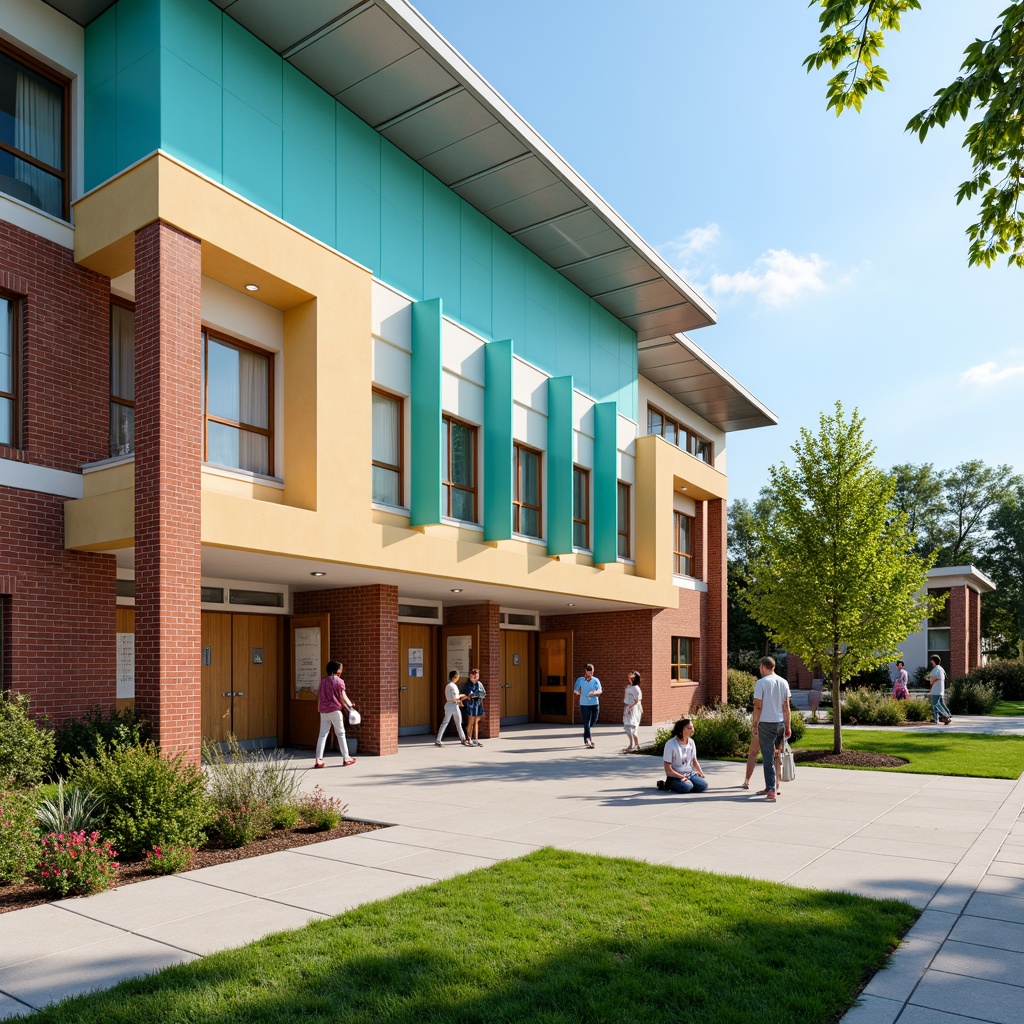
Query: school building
311,347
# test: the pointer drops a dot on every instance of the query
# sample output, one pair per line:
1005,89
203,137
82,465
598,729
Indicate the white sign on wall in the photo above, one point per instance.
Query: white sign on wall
125,666
459,648
307,661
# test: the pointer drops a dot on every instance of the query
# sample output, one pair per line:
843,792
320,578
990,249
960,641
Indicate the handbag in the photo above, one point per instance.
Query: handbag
788,763
354,718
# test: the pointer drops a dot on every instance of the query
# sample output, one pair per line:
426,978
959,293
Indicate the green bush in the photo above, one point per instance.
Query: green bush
26,749
966,696
918,709
96,730
866,706
891,712
147,800
239,826
797,726
238,778
75,863
921,680
19,840
169,860
286,816
69,810
322,812
740,688
1006,674
876,678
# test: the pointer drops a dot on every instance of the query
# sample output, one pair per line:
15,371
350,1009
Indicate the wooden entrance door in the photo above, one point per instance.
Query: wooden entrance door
516,651
416,675
554,693
216,676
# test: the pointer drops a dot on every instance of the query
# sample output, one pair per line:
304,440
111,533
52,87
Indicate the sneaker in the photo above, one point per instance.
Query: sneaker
319,764
770,795
345,764
438,743
660,783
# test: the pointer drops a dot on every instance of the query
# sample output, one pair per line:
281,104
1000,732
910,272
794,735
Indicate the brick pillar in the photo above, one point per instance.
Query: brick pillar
487,659
973,629
956,663
168,465
715,641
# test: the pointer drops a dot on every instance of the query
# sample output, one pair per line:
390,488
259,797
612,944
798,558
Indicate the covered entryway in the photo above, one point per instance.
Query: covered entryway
516,673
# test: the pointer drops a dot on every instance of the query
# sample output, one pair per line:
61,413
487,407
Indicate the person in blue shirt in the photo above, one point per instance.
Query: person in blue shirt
588,686
475,694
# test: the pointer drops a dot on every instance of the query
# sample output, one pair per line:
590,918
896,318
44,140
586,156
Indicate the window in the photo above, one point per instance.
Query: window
526,500
238,388
683,545
682,437
683,661
623,520
938,628
458,470
122,379
387,448
580,507
10,371
33,133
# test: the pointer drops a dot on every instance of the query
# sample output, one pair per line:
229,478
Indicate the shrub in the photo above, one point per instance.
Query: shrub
241,778
96,730
920,679
966,696
75,863
1006,674
891,712
68,810
720,731
918,709
797,726
865,706
239,826
26,749
286,816
320,811
19,840
147,800
169,860
877,678
740,688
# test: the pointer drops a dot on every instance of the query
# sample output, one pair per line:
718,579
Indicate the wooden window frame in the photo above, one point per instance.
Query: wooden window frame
268,432
517,503
17,342
400,468
63,173
584,520
682,560
677,666
116,300
687,440
446,499
623,534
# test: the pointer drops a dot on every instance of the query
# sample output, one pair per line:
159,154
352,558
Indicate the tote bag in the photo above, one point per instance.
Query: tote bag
788,763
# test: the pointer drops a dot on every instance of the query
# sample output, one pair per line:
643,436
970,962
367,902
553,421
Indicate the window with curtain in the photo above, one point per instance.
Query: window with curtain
238,405
683,658
683,544
122,379
682,437
10,345
458,470
386,448
623,520
580,507
526,510
33,133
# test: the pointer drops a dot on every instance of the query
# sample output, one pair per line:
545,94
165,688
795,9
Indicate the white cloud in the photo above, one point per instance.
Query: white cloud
987,374
776,279
681,251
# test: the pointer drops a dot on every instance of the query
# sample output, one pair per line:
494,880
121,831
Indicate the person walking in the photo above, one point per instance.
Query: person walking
900,688
752,752
588,686
475,694
452,709
771,719
332,701
683,773
631,712
937,694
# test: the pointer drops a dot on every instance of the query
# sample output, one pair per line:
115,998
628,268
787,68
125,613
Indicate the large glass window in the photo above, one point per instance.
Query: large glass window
683,658
33,133
238,405
623,520
387,448
683,545
580,507
526,510
682,437
122,380
458,470
10,345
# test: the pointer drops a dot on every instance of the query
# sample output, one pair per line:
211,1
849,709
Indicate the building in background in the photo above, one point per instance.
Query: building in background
311,347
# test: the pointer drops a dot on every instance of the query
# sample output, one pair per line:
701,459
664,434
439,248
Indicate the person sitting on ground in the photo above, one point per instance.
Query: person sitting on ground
683,773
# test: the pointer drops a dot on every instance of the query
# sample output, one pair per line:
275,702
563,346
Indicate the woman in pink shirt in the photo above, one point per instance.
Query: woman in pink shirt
332,700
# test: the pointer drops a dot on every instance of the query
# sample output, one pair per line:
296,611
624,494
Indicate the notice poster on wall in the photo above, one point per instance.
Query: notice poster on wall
415,662
307,662
125,666
459,649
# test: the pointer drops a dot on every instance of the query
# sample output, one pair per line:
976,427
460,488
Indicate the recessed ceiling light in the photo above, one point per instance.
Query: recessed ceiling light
570,604
456,590
252,287
318,574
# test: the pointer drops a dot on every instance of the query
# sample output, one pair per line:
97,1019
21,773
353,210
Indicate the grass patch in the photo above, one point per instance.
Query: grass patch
1009,709
931,753
554,937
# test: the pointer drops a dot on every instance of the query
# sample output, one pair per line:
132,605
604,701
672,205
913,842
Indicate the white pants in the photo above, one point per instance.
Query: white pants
451,710
326,721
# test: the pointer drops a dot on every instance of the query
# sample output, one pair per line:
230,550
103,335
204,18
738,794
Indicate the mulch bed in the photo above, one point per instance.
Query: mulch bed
848,758
26,894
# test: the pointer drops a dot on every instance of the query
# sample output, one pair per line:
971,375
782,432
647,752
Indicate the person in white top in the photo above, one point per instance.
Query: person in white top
631,712
937,693
683,773
452,709
771,719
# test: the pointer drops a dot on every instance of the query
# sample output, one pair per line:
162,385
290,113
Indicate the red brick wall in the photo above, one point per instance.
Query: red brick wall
487,659
364,637
168,465
65,365
955,663
974,629
715,641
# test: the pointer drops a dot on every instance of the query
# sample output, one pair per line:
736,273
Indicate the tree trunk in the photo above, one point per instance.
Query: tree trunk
837,711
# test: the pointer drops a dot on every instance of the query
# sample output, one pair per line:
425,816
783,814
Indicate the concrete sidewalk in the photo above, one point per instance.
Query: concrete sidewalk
953,847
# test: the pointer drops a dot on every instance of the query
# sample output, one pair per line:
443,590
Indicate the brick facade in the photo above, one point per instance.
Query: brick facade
956,662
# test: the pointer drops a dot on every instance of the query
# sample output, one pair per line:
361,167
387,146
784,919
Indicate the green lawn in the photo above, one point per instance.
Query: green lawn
930,753
1009,709
553,937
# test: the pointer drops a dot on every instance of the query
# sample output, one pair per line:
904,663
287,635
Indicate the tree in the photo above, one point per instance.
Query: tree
1005,564
971,493
918,494
836,580
745,636
991,84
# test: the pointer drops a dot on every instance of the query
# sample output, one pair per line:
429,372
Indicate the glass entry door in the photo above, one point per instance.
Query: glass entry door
554,682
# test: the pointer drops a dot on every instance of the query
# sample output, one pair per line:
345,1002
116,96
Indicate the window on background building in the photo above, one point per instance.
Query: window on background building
684,650
33,133
458,471
623,520
526,508
683,544
580,507
237,398
682,437
10,371
122,379
938,629
386,448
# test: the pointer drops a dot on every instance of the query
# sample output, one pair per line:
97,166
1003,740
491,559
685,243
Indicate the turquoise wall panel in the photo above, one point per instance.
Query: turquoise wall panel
253,73
606,479
476,295
359,149
401,183
442,252
309,189
247,131
508,280
401,264
498,441
192,128
309,115
101,50
192,31
138,31
101,141
559,466
138,109
425,413
359,225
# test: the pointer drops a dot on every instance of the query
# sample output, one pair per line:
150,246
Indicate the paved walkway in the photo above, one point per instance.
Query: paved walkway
953,847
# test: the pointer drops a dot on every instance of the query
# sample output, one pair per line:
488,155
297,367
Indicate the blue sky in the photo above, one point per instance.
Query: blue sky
831,248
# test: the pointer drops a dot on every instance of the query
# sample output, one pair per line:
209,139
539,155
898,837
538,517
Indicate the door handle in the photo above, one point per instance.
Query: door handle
234,693
403,687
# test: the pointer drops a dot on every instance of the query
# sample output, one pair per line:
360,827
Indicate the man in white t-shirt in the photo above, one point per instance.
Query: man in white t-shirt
771,718
937,694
